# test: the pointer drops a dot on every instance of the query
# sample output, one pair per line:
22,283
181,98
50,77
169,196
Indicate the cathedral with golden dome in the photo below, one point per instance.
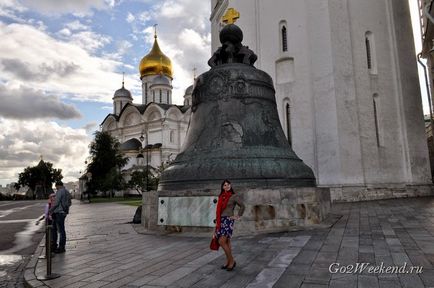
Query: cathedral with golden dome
156,75
150,133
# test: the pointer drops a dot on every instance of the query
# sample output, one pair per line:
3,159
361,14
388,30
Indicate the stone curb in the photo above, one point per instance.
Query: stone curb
29,272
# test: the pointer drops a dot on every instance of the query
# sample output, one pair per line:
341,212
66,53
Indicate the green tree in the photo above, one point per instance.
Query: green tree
106,163
147,179
42,175
143,180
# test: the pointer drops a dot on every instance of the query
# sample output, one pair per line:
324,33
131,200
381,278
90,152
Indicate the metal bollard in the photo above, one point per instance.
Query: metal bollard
48,275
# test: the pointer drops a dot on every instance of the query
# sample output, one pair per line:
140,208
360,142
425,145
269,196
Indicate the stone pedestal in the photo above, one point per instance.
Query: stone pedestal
280,209
149,210
267,210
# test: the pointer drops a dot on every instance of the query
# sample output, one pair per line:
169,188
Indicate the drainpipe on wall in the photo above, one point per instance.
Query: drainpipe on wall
428,92
430,107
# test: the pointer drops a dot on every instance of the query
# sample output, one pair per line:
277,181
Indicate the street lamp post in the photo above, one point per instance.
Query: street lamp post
88,179
147,169
148,148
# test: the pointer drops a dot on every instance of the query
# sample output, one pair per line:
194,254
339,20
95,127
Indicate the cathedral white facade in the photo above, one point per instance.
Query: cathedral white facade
150,133
347,89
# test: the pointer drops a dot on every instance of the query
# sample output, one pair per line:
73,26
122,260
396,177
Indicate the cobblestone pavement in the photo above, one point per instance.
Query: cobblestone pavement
103,251
18,239
11,275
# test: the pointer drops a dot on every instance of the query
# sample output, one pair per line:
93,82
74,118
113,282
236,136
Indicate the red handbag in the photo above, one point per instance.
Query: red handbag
214,245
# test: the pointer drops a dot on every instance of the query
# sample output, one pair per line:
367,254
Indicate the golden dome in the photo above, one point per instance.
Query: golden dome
155,62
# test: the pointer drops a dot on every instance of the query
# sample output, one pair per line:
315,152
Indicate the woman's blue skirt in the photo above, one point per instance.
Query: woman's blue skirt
226,227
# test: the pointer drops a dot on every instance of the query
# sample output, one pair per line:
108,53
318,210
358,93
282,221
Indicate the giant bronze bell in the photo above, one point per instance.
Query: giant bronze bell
234,130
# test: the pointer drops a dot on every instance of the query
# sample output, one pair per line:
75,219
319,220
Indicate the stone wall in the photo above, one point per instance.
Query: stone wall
278,209
282,208
266,209
363,193
150,210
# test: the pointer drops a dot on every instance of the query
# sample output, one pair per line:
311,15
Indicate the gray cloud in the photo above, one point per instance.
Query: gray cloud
89,127
68,67
22,143
24,70
27,103
89,40
66,6
15,159
19,69
61,69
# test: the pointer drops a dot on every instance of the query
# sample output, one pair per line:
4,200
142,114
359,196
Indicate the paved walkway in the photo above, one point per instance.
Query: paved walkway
103,251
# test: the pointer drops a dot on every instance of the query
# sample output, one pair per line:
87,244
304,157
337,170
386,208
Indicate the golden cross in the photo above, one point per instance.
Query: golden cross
231,16
155,30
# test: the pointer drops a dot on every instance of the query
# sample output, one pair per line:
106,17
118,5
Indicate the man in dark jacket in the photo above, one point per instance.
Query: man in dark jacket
59,215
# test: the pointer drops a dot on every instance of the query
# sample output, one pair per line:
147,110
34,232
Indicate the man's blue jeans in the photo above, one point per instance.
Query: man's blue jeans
59,227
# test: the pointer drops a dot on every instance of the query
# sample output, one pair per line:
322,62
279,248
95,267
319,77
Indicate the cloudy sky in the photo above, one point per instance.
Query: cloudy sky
62,60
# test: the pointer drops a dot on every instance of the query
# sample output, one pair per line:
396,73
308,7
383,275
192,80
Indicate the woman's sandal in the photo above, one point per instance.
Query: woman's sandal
231,268
224,267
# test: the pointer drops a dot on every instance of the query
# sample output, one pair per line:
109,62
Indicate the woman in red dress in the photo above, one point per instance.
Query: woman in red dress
225,219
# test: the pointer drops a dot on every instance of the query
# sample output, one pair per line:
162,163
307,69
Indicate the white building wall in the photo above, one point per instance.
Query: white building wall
351,160
327,159
383,161
409,97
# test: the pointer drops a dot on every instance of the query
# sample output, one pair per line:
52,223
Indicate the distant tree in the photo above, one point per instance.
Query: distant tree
160,169
147,179
42,175
105,164
113,181
143,180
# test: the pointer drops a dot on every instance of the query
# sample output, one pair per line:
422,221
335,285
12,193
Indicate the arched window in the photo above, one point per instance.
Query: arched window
161,100
172,136
167,94
376,120
284,39
288,123
153,96
146,93
283,36
370,53
139,159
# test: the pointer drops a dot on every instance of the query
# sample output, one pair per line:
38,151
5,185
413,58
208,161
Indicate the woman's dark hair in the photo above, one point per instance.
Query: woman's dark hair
223,183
